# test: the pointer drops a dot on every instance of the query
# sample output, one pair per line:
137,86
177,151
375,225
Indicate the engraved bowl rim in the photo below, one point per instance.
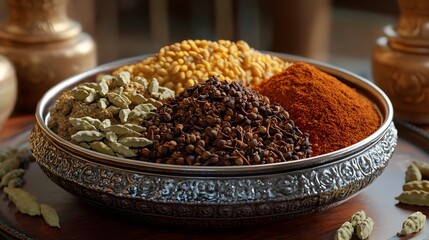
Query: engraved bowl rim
364,86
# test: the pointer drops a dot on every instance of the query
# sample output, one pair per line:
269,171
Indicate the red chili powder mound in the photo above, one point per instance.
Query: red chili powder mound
334,114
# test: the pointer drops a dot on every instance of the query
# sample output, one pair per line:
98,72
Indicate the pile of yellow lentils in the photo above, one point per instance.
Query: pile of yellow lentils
183,64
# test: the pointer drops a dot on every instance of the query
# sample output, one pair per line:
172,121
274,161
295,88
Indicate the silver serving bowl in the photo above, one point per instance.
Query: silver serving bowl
214,196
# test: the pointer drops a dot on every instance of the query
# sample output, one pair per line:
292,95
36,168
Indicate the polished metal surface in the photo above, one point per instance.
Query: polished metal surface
8,89
44,46
215,196
400,62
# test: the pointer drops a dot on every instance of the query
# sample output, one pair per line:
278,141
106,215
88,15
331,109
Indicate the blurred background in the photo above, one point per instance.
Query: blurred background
341,32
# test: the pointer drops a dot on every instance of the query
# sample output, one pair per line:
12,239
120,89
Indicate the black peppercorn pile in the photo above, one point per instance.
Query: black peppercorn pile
223,124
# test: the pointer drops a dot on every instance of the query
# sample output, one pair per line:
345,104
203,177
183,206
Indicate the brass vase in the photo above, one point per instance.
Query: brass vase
400,62
45,47
8,89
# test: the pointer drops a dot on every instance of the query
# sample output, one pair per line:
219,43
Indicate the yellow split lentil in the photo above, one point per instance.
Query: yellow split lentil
183,64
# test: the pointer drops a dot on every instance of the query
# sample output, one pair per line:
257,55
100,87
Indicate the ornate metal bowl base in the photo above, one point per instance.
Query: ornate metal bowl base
214,201
214,196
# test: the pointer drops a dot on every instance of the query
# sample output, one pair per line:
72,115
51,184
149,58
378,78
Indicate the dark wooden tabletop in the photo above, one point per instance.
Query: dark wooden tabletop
80,220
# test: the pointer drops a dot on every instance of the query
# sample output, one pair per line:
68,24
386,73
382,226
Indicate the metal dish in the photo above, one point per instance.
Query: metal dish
214,196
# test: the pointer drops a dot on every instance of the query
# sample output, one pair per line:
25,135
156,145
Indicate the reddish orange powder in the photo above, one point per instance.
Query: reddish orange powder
334,114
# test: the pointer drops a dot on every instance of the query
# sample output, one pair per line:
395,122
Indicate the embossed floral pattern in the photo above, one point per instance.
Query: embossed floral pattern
213,199
410,87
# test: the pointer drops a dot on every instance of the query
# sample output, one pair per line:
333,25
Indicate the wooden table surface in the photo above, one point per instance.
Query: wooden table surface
80,220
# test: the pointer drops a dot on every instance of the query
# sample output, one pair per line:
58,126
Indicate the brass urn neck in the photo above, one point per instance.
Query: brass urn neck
35,21
411,32
413,19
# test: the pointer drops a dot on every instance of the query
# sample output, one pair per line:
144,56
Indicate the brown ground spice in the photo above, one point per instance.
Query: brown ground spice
334,114
66,107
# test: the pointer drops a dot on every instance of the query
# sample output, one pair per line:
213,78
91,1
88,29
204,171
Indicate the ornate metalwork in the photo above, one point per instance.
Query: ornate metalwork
236,200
